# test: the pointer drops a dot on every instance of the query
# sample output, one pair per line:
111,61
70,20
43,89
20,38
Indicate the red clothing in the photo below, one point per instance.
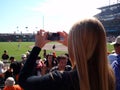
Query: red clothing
14,87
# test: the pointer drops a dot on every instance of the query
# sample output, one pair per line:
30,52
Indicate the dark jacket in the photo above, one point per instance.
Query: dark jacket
52,81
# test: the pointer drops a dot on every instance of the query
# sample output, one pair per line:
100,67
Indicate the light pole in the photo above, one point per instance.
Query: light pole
43,22
17,29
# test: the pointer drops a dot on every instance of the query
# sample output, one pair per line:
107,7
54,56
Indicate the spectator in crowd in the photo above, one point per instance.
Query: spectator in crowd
9,72
1,74
68,59
12,59
88,52
15,67
23,59
41,68
114,59
27,54
54,54
62,64
113,56
39,64
5,56
10,84
2,70
38,60
50,62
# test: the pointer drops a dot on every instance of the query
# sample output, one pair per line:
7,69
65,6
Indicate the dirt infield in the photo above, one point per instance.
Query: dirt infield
59,47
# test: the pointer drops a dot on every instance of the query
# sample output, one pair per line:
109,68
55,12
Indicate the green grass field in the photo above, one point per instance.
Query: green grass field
13,50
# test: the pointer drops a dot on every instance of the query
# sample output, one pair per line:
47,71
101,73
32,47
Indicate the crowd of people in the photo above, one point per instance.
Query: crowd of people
10,67
86,66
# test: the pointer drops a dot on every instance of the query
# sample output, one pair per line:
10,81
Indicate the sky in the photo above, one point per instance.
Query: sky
28,16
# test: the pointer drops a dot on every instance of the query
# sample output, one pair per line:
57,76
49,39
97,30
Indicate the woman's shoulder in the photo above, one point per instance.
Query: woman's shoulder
65,76
66,79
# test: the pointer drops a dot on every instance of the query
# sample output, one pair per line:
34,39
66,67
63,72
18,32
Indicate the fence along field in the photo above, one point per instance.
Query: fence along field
16,49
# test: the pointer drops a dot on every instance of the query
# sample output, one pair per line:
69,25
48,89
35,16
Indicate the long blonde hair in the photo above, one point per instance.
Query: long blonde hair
88,52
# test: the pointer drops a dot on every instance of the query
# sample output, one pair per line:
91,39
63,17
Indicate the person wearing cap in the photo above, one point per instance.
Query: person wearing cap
113,56
23,57
114,59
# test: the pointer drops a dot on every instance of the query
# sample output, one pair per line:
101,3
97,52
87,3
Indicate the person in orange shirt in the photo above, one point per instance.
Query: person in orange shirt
10,84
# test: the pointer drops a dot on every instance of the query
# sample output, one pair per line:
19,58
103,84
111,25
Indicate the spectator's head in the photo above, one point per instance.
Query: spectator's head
61,57
23,56
54,54
5,51
88,52
40,64
10,81
38,59
50,57
62,60
27,54
44,50
50,60
116,45
12,59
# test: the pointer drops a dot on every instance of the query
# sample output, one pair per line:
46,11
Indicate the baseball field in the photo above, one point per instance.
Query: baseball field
16,49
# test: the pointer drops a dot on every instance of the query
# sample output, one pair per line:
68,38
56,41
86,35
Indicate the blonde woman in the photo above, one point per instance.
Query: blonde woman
88,54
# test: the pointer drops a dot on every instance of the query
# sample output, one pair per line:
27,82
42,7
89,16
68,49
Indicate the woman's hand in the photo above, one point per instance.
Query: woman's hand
64,35
40,39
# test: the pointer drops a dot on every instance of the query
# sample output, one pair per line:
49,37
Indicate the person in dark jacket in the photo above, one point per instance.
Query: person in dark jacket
5,56
88,54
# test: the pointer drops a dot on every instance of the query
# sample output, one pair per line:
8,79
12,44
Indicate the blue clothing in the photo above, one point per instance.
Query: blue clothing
112,57
116,68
